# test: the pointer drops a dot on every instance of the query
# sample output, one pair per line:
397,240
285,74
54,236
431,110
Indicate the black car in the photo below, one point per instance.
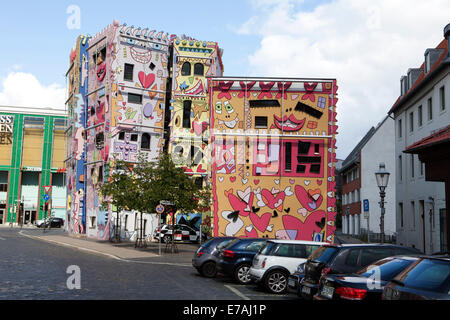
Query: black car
366,284
205,259
426,279
295,278
344,258
236,258
50,222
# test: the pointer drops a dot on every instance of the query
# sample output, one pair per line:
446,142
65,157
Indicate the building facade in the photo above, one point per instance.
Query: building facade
380,148
273,157
420,111
32,146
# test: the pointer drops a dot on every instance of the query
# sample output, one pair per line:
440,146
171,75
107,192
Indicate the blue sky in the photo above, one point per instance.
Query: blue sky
36,39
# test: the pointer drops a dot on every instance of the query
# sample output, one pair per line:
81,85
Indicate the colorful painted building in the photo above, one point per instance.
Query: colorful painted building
32,143
273,157
189,142
117,112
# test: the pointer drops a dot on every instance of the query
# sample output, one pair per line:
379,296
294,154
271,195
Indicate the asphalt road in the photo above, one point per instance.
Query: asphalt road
34,269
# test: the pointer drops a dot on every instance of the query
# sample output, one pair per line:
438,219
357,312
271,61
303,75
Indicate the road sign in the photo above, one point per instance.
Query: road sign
46,197
47,189
366,205
166,203
160,208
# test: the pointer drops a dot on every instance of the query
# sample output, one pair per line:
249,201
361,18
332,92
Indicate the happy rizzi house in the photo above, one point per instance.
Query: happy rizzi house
135,90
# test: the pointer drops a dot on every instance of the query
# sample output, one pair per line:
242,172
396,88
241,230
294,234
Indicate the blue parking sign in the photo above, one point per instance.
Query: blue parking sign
46,197
366,205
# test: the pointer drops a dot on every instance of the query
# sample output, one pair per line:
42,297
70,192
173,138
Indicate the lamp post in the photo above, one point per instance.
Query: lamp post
382,177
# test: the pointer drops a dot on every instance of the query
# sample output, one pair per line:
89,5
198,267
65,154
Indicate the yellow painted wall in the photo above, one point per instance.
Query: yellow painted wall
32,147
58,149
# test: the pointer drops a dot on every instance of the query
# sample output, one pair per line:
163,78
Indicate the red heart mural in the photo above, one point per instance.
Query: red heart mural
298,230
309,200
146,79
262,222
273,201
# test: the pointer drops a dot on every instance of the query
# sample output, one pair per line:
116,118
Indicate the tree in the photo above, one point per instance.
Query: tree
142,185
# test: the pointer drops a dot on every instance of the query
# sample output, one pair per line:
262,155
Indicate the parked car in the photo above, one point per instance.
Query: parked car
344,258
366,284
237,256
295,278
50,222
205,259
165,233
426,279
277,260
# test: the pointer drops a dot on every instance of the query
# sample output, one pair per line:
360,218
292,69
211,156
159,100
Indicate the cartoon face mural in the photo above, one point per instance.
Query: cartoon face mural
273,158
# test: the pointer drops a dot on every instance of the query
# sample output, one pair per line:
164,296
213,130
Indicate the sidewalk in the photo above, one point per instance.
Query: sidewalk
344,238
124,251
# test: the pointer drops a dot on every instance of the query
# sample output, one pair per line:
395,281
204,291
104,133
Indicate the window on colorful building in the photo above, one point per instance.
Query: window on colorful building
128,72
145,141
187,114
266,157
260,122
186,69
134,98
199,69
302,158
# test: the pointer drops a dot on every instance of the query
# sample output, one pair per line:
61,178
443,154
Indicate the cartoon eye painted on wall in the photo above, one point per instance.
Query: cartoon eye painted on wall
157,46
130,41
228,107
219,107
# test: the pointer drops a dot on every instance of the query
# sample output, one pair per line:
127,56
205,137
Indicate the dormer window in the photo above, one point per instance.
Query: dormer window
427,62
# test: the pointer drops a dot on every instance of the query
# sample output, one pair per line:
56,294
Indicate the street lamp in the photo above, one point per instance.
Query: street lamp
382,177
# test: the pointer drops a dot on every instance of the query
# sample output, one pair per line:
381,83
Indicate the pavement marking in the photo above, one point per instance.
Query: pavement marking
106,254
236,291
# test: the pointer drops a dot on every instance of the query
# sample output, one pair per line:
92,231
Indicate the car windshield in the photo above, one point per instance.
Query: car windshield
387,269
429,275
323,254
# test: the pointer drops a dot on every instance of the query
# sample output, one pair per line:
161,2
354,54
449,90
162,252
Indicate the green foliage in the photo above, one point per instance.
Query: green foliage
141,187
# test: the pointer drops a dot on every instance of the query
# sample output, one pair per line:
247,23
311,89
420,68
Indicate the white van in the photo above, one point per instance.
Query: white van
278,259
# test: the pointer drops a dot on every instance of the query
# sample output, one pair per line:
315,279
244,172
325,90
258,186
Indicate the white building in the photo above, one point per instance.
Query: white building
421,110
379,148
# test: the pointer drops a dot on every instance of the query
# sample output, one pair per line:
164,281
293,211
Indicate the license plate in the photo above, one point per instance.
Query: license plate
327,292
291,283
306,290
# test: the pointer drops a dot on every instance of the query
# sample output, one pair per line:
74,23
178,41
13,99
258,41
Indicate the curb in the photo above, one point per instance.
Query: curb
103,253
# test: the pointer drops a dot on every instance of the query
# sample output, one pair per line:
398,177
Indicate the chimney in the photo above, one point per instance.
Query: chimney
447,36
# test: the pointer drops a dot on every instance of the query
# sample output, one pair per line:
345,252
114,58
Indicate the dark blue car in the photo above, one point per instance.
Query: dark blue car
237,256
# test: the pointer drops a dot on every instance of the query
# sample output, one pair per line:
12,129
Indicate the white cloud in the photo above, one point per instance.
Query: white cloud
366,45
24,90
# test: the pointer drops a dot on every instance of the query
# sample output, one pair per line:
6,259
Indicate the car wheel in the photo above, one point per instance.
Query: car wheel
166,239
208,269
241,274
276,281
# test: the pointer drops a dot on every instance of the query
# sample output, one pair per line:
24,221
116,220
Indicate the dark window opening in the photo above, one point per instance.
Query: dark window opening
128,73
303,159
134,98
186,69
288,157
303,147
152,66
260,122
145,141
316,148
134,137
99,140
100,56
264,103
308,110
315,168
199,69
100,174
187,114
92,111
199,182
122,135
301,168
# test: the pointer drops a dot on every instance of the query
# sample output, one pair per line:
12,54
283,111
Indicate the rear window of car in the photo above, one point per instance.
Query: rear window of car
255,246
324,254
429,275
224,243
387,269
369,255
231,243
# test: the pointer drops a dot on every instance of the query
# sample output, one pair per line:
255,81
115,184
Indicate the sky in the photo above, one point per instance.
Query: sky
366,45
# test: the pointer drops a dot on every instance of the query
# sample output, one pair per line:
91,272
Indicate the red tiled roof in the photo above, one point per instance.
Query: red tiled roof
438,137
443,45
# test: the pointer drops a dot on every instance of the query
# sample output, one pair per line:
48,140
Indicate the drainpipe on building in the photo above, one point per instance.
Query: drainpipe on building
431,201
